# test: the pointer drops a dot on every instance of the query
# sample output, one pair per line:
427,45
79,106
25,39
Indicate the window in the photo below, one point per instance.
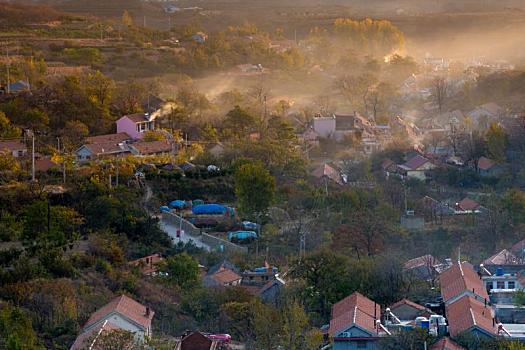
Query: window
500,285
489,285
511,285
361,344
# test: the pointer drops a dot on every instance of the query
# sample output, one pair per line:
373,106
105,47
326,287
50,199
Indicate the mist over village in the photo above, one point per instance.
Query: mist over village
262,175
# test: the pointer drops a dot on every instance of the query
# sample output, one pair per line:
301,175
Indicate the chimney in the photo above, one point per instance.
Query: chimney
493,322
485,302
148,311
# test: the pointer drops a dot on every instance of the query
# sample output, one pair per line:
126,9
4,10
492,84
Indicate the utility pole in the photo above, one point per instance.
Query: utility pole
8,66
32,135
302,245
405,194
116,176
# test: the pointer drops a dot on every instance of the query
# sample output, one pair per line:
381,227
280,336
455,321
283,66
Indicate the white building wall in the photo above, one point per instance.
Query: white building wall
324,126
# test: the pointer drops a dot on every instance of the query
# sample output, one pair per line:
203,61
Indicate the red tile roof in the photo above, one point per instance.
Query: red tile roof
87,340
466,313
518,248
225,276
326,170
415,162
114,138
125,306
485,163
409,303
504,257
468,204
425,260
45,164
446,344
152,147
460,278
355,309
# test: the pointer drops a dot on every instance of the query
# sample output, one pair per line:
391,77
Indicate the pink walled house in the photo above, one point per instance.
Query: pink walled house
135,125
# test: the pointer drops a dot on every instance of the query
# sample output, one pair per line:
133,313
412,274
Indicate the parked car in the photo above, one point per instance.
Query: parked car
250,226
241,236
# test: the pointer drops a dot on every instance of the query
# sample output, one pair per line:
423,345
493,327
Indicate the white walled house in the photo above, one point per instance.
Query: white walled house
325,126
121,313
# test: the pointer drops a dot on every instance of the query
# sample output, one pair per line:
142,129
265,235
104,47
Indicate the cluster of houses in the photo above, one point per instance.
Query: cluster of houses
124,313
263,282
359,323
475,300
338,126
127,141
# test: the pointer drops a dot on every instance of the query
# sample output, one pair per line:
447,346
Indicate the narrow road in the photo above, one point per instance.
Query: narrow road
171,230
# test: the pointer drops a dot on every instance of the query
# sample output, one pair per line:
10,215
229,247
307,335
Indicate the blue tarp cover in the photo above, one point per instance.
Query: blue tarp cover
209,209
241,234
178,204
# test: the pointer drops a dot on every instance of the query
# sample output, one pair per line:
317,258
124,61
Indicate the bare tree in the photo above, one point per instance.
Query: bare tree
440,91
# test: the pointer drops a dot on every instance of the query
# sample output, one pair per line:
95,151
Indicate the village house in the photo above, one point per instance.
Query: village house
135,125
501,258
16,148
356,323
223,275
461,280
425,267
148,265
121,313
416,167
470,206
200,341
408,310
485,114
263,282
469,315
16,87
487,167
110,145
389,167
326,173
160,147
